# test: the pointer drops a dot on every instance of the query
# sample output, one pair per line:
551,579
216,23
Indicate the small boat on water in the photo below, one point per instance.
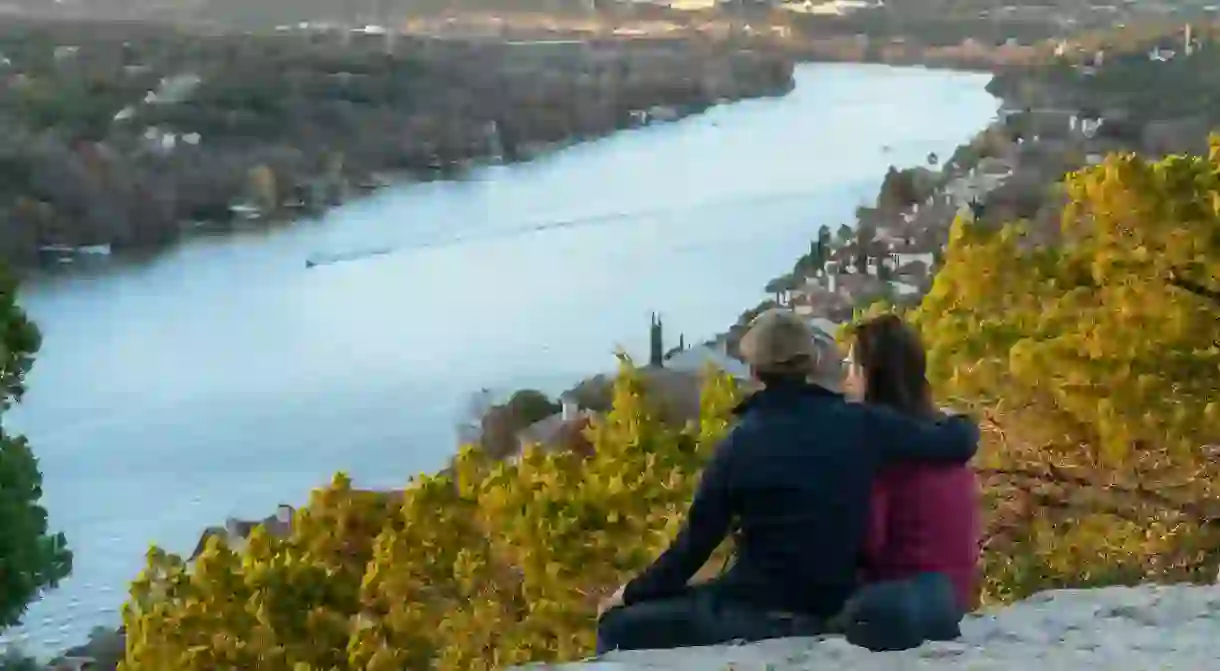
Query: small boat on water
329,259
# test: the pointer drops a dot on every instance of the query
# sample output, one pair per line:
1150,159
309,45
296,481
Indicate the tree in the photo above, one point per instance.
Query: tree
500,424
866,236
1095,364
31,558
885,270
823,247
815,259
844,234
898,190
531,405
470,420
781,284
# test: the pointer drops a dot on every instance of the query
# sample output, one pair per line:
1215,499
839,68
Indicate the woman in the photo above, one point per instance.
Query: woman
925,517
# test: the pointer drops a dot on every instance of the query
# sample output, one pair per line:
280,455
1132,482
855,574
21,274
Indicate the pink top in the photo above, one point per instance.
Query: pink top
926,518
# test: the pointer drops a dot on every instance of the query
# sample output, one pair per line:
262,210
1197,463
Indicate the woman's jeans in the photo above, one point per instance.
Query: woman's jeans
901,614
894,615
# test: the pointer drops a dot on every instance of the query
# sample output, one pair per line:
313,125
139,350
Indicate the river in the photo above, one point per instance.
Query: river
223,377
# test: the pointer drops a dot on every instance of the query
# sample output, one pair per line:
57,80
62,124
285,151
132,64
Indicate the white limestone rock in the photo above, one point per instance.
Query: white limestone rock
1146,628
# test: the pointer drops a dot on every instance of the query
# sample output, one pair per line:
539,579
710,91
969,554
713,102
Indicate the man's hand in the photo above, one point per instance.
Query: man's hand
612,601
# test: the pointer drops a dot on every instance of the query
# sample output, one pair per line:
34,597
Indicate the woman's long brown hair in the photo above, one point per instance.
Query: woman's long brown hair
895,365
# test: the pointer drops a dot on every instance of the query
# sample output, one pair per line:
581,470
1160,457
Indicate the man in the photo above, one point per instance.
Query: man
795,474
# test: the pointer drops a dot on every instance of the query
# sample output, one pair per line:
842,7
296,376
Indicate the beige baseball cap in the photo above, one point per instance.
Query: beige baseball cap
780,342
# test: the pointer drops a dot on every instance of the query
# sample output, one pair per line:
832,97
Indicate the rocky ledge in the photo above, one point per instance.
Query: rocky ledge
1114,628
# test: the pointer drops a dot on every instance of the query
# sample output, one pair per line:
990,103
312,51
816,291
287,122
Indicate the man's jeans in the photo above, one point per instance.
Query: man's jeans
698,617
884,616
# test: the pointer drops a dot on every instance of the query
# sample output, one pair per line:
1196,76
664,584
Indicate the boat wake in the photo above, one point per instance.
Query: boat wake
554,224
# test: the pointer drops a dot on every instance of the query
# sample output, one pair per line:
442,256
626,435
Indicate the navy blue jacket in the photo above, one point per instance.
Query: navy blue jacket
795,475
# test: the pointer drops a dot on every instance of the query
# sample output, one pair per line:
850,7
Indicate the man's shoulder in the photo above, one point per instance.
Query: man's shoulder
820,415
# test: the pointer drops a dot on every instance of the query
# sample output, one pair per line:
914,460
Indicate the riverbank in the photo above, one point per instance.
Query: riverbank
126,136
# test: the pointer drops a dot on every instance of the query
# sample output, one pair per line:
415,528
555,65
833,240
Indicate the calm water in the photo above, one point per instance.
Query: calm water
224,377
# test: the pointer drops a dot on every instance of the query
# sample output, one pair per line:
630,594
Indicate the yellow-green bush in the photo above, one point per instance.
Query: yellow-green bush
1095,368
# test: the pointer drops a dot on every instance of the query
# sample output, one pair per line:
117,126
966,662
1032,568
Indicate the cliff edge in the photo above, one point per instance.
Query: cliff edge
1113,628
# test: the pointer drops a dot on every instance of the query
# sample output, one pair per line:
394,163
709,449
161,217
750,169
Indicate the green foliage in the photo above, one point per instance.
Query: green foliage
815,259
898,190
531,406
492,563
782,283
31,559
866,236
501,423
844,234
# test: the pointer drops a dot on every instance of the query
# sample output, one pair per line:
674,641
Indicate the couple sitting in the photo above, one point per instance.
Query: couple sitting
851,517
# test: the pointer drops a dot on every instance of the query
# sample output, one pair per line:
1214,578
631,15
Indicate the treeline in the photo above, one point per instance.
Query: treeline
130,134
1127,78
1092,366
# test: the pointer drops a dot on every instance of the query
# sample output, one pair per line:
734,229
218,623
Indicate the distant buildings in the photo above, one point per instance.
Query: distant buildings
829,7
556,430
696,359
674,381
235,532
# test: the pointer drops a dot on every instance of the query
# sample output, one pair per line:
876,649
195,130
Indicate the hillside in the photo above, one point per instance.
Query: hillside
131,134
